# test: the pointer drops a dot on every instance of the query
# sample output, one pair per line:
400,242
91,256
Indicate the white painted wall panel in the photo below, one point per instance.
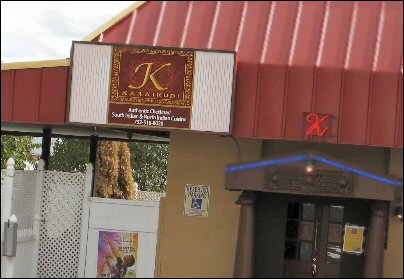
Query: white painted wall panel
113,214
90,83
125,216
213,89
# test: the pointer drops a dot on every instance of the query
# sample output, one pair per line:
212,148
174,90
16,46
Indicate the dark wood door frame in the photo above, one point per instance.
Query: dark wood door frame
245,250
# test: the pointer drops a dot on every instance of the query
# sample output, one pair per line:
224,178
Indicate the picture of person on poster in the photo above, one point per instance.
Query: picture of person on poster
117,263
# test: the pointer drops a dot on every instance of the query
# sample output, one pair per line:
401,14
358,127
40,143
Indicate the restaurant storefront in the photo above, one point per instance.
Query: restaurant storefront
290,112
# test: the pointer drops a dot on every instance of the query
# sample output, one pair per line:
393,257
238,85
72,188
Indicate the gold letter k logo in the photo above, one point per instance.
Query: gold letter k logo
149,75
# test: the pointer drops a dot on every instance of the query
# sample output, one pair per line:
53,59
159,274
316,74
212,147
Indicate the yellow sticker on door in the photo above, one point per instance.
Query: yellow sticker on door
353,239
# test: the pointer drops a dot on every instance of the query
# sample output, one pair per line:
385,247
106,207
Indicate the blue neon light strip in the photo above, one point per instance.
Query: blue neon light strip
360,172
269,163
293,159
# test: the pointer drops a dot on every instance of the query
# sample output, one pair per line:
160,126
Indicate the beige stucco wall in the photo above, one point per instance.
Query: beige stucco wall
198,246
205,247
393,256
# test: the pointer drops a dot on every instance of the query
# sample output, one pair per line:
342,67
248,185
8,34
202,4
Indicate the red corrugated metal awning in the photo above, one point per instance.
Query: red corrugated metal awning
35,94
340,58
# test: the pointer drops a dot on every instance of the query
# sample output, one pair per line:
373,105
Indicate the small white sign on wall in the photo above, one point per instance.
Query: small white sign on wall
196,202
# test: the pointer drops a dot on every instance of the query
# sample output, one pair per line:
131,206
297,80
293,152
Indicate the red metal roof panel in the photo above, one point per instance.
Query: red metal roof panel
341,58
148,19
26,95
53,95
118,32
36,95
271,87
198,25
174,16
245,99
382,108
7,84
335,34
280,29
230,16
252,39
390,38
309,22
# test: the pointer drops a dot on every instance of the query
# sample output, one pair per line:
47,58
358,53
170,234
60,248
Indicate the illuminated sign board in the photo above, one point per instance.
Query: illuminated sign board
152,87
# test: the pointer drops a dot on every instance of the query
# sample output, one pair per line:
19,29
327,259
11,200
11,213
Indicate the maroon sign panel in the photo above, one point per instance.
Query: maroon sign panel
151,87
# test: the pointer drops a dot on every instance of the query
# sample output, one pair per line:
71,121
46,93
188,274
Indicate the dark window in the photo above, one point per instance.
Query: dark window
306,249
308,211
293,210
292,229
299,231
336,213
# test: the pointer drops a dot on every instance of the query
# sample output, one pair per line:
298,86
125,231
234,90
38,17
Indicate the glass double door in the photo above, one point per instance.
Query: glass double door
302,236
313,239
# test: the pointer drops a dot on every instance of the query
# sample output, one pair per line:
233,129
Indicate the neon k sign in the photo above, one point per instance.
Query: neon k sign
317,124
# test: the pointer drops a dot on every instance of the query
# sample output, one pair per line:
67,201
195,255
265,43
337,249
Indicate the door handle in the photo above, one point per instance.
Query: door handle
314,269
